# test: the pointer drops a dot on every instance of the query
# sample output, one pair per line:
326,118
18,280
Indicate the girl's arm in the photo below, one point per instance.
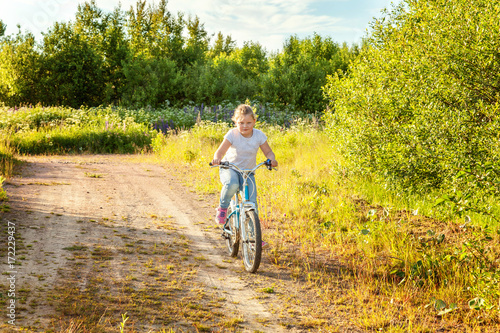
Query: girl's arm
268,152
221,151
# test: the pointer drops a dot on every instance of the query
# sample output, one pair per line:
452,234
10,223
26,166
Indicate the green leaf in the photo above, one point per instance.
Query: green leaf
476,303
453,306
440,238
440,201
439,304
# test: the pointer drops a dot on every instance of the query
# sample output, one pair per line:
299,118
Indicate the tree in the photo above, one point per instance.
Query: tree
197,43
297,74
72,69
155,32
421,103
106,34
150,81
19,69
3,28
253,58
222,45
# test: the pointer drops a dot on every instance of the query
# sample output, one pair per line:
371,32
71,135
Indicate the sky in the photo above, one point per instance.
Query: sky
269,22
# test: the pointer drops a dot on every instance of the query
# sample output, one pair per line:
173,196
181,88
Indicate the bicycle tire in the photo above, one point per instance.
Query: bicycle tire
232,241
251,241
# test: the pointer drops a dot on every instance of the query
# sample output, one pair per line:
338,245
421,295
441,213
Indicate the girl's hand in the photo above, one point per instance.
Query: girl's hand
274,163
216,161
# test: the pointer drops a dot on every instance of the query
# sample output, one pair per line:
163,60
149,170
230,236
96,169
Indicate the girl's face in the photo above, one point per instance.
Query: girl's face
245,125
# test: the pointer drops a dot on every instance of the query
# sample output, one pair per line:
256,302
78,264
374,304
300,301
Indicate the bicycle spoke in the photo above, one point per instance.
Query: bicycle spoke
230,234
252,243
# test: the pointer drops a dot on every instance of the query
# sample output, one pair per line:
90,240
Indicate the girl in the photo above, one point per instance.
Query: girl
240,147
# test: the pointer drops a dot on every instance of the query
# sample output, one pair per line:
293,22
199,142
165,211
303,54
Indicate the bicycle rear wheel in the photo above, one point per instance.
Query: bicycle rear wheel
231,235
251,241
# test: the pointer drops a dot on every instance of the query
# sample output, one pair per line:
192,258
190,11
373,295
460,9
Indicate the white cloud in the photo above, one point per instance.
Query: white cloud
269,22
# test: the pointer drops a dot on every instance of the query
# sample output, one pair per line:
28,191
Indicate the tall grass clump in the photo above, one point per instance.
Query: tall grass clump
6,166
57,130
6,158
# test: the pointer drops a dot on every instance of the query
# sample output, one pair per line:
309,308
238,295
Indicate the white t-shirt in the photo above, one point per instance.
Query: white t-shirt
243,151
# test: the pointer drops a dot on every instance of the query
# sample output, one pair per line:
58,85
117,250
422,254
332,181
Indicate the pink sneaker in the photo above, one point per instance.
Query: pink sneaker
221,215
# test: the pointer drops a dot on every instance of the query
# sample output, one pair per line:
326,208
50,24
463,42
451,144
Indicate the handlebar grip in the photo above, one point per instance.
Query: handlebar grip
226,163
268,164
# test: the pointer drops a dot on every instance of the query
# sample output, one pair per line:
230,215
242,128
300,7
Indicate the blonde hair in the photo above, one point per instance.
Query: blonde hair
243,110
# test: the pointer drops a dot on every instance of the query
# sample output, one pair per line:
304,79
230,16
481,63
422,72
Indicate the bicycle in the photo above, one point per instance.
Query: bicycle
242,221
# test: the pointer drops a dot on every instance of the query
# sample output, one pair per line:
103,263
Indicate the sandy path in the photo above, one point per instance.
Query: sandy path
58,203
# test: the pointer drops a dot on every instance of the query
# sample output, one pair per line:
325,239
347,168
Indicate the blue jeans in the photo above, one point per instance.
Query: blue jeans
232,181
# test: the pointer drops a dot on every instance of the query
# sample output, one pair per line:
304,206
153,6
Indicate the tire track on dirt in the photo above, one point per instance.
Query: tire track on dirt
102,204
158,195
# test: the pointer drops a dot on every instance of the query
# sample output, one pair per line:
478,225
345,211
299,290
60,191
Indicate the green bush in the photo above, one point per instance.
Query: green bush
122,139
296,75
420,107
150,81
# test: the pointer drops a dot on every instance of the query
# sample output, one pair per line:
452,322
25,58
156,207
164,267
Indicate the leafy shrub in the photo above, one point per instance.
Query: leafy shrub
296,75
150,82
421,103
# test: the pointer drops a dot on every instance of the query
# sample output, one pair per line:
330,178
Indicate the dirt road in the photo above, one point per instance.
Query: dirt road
103,238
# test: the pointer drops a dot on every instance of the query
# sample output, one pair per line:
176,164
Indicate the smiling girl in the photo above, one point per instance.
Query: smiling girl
240,147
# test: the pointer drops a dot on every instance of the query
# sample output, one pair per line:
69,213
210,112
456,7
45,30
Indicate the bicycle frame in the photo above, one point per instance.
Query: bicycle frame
240,208
242,214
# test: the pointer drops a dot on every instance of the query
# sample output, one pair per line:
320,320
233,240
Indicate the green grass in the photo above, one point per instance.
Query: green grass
6,166
61,130
316,215
408,263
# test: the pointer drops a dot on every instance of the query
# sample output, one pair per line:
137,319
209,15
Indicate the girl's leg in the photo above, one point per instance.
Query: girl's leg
252,190
252,193
230,185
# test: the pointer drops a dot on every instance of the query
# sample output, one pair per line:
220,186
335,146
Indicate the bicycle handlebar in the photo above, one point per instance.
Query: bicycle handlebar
226,164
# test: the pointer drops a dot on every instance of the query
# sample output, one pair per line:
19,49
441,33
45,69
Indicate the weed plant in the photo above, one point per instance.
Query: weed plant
6,166
409,271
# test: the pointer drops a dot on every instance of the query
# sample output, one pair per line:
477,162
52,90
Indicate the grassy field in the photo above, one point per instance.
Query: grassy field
411,266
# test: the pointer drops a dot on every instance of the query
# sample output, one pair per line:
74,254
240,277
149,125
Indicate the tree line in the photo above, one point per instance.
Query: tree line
150,56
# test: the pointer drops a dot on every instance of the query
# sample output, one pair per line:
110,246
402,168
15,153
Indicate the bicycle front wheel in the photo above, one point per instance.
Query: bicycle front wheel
251,241
231,234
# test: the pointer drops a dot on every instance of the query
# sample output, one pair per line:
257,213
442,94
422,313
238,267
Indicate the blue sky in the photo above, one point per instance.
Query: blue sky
269,22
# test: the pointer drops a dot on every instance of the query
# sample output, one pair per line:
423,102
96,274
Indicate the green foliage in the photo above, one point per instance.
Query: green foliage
72,68
150,81
19,70
58,130
297,74
155,32
146,55
3,27
222,45
233,74
65,130
421,104
107,35
6,166
217,80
